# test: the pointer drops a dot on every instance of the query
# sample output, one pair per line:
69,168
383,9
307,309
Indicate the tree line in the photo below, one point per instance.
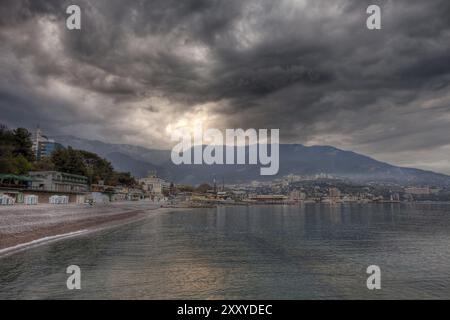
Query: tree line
17,157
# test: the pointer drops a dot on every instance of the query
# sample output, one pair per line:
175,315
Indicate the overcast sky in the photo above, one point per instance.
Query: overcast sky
310,68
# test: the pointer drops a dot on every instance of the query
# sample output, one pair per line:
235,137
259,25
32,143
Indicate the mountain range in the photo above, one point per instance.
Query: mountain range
295,159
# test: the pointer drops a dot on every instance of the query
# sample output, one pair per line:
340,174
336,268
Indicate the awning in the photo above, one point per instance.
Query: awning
15,177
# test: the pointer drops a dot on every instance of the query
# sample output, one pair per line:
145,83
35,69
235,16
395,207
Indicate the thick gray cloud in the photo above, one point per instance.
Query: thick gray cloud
310,68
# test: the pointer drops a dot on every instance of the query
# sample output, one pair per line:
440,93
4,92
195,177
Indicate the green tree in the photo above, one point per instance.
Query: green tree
6,142
203,188
69,161
23,144
21,165
7,164
15,149
97,167
123,179
185,188
44,164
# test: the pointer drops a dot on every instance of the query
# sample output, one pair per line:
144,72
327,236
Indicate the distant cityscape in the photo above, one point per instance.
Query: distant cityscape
58,187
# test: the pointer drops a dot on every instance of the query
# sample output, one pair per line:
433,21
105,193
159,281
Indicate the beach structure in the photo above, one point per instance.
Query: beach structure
50,183
100,197
43,185
6,200
136,194
101,193
14,186
59,200
58,181
120,193
31,199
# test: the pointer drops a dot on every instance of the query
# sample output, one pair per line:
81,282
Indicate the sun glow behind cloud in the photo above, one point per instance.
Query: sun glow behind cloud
199,117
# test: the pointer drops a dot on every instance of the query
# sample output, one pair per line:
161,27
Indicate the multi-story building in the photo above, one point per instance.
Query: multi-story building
58,182
43,146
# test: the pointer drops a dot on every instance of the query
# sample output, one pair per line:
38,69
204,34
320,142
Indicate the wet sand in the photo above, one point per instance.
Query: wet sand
24,224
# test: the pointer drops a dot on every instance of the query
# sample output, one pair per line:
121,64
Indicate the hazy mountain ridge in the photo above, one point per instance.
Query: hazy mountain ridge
153,156
294,159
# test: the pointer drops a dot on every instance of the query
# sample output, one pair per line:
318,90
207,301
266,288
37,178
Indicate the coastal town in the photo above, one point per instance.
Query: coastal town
57,187
52,187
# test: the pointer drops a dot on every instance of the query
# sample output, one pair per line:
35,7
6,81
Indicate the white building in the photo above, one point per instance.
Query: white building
152,186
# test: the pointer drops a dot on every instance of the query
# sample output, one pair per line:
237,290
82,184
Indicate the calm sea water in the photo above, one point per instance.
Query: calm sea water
262,252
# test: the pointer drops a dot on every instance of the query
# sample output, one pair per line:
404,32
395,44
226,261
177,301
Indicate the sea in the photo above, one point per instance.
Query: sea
309,251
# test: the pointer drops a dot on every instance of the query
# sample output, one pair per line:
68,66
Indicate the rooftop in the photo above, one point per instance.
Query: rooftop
70,175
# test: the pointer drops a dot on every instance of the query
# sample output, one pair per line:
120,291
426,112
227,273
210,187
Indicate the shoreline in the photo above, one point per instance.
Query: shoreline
65,222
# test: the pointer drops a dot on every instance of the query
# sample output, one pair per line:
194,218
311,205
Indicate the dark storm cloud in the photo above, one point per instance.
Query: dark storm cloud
310,68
